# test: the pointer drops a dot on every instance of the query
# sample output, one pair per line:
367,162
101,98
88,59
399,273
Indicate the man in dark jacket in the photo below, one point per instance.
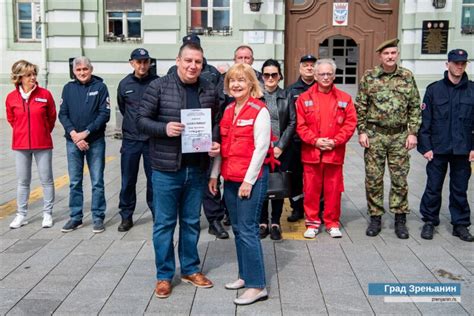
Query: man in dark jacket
84,112
304,82
212,204
134,143
179,179
446,137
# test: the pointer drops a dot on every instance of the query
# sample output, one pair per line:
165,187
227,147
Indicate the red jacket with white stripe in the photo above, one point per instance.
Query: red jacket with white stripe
308,121
237,140
33,120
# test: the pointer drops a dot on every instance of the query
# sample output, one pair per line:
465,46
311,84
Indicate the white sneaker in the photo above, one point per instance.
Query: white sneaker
18,221
334,232
311,233
47,220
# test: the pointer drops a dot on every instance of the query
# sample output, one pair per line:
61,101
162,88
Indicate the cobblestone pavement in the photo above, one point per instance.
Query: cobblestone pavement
44,271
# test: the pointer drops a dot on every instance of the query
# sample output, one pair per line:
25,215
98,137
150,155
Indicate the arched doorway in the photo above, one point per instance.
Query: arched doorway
310,22
345,52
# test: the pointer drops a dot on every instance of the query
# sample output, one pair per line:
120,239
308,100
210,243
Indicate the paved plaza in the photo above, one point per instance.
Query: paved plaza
45,271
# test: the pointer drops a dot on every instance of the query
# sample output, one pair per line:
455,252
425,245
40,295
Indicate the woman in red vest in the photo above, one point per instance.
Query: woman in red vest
32,113
245,131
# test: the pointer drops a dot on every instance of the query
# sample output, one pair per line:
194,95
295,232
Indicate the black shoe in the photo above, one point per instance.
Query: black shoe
125,225
215,228
263,231
375,226
463,233
71,225
295,216
401,229
275,233
226,221
98,227
427,231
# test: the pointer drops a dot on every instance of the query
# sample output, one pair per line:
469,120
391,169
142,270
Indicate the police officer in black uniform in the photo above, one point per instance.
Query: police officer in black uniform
209,72
446,137
304,82
134,143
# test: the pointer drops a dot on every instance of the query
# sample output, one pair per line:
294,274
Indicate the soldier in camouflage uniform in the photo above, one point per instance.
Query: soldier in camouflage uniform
389,115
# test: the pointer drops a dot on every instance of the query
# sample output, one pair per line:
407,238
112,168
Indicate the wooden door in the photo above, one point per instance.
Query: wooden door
309,23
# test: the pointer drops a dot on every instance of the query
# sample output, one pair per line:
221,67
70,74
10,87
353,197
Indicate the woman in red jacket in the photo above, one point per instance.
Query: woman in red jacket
245,140
32,113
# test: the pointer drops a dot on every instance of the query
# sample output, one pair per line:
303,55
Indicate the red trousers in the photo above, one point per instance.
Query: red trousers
329,178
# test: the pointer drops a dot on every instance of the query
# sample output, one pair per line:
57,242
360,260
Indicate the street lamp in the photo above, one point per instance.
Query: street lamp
255,5
439,4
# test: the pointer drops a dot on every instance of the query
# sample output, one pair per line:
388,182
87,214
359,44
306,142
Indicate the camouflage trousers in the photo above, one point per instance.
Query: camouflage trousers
390,148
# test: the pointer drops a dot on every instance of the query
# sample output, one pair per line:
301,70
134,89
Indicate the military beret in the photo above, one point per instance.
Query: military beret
389,43
457,55
139,53
192,38
308,57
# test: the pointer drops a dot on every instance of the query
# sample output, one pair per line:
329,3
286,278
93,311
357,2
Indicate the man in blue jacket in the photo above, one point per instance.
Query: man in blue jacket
84,112
134,143
446,137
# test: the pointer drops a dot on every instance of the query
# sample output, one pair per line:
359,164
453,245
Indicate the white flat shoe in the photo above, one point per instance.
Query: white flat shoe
238,284
263,295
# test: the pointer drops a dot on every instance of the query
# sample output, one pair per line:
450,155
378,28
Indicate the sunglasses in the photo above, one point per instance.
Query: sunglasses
273,75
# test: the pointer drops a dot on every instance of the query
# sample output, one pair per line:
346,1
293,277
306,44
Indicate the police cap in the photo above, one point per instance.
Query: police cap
139,53
389,43
457,55
192,38
308,57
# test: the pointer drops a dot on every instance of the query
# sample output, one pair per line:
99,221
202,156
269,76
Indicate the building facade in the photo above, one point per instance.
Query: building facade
49,32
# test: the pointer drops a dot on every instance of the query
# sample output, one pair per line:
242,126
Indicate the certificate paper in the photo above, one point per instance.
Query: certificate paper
197,134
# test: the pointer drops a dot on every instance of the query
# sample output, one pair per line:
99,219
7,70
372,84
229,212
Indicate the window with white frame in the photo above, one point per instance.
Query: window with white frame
209,16
27,20
123,20
467,19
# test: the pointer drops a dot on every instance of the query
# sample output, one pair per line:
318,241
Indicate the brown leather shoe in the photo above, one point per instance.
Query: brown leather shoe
197,279
163,289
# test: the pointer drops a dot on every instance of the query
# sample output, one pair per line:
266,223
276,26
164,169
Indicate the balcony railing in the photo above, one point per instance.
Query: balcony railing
209,31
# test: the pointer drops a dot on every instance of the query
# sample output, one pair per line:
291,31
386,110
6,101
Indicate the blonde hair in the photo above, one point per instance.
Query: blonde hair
22,68
246,72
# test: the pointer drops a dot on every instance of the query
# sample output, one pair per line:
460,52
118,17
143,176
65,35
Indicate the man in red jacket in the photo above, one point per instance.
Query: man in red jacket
326,120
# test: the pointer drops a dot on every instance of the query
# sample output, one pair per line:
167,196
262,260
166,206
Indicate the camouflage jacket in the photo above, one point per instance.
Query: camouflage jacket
388,100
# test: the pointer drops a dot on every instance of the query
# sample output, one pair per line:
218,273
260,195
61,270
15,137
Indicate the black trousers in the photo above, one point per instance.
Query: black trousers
213,205
459,174
296,167
131,153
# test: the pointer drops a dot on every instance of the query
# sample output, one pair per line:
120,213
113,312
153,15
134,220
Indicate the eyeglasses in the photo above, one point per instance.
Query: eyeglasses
273,75
326,74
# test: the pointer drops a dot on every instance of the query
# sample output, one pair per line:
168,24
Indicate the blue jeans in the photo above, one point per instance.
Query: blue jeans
95,158
177,194
131,152
245,217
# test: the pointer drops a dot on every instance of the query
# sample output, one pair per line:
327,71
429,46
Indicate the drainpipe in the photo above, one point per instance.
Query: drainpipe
81,13
44,52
